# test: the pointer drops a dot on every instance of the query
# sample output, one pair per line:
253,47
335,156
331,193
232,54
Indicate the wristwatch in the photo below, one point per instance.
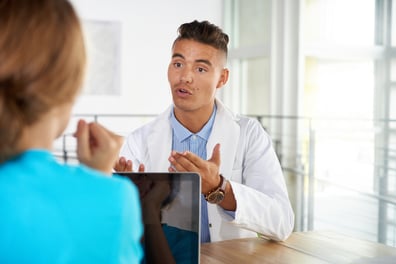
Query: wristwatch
216,195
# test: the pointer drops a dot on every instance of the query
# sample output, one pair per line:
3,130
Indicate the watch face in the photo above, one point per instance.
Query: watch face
215,197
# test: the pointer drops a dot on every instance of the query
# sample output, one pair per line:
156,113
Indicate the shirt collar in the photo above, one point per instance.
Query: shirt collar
183,133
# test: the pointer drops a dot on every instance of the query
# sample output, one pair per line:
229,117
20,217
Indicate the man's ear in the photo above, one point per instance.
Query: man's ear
223,78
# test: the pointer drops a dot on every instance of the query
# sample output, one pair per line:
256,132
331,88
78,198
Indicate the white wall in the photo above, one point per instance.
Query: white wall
148,29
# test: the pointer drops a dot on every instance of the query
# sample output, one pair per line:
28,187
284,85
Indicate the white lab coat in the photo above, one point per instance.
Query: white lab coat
248,161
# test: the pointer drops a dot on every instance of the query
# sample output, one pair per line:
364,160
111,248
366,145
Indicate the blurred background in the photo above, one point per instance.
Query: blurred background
318,74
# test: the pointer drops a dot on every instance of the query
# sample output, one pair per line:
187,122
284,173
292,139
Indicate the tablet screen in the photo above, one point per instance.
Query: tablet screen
171,205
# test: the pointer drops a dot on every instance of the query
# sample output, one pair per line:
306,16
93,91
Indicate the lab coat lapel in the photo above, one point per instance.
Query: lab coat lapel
160,143
226,132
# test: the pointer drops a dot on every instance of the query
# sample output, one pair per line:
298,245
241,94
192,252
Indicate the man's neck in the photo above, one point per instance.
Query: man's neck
194,121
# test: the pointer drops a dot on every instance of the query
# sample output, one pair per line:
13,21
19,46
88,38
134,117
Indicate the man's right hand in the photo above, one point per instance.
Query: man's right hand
124,165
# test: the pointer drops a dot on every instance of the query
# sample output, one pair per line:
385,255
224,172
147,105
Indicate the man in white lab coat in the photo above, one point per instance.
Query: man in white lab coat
243,189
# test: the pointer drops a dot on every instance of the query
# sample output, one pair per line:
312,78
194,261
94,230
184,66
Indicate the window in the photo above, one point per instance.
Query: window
320,75
248,25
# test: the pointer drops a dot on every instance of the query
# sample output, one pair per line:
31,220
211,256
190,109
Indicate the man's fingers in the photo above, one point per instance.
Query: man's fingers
185,161
216,155
179,163
124,165
141,167
120,164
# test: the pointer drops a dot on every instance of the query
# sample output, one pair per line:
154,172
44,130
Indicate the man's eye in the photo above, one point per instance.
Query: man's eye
201,69
177,64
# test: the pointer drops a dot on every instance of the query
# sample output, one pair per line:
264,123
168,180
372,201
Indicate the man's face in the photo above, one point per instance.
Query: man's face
195,72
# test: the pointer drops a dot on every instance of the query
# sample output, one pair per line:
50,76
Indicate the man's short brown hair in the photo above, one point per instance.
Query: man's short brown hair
204,32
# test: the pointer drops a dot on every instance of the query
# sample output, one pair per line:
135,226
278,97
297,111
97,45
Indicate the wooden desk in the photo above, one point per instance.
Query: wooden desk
301,247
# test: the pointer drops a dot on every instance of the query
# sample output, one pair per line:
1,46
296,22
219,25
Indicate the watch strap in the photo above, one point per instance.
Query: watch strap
221,186
224,183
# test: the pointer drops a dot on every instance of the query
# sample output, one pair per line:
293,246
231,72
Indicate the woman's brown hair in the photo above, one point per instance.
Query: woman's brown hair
42,62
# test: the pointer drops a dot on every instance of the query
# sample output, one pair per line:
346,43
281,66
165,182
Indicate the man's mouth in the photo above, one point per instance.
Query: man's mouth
184,91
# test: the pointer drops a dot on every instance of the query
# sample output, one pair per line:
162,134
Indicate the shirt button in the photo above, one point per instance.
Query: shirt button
210,225
194,137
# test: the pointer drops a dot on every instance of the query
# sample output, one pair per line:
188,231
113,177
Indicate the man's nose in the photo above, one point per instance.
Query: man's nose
187,76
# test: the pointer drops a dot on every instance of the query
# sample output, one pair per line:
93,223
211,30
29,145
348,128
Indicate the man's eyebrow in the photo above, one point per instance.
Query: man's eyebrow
204,61
178,55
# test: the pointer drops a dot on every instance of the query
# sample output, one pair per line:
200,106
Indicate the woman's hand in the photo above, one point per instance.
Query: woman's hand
97,147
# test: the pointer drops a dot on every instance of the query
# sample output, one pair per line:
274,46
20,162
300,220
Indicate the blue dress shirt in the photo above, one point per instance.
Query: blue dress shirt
183,140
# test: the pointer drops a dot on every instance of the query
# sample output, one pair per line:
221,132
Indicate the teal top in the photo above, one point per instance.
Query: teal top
183,244
58,213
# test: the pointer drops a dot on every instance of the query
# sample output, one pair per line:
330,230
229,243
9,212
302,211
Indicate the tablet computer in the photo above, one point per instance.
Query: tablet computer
178,197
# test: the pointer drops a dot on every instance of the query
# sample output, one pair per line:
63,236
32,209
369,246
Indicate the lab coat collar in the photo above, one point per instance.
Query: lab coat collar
225,131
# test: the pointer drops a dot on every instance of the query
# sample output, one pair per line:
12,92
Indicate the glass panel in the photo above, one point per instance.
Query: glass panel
393,26
391,227
392,178
331,88
339,95
392,105
255,86
252,22
339,22
346,212
330,94
393,70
